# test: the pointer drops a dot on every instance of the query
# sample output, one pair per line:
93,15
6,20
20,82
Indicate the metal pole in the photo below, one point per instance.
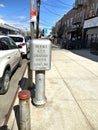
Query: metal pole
38,14
24,109
40,98
32,23
30,75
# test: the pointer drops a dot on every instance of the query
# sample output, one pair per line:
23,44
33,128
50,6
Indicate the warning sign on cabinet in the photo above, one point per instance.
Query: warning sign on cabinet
40,52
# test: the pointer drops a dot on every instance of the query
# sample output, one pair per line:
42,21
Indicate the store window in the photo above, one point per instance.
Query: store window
97,9
88,39
96,38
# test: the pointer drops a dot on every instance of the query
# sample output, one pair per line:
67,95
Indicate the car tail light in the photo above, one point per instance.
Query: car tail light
22,44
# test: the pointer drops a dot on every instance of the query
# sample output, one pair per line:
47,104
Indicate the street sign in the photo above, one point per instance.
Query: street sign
47,31
33,16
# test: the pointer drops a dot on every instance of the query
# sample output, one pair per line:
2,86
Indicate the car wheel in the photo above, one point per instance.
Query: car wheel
20,62
5,82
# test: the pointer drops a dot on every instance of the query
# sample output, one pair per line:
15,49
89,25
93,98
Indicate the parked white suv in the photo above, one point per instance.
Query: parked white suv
20,40
10,58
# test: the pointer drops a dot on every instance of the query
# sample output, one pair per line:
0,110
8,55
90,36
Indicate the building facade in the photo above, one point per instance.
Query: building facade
80,23
91,23
6,29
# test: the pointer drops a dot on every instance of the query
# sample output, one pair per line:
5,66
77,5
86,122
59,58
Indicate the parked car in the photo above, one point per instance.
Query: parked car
10,58
28,41
20,40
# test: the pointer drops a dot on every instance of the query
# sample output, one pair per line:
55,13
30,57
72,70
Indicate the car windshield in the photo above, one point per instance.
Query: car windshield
17,39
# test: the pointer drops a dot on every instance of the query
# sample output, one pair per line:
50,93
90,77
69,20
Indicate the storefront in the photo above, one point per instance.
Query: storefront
91,29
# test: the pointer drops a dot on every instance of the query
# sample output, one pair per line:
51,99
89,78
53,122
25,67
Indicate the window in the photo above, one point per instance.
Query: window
96,38
89,38
67,22
12,44
93,38
3,44
71,20
17,39
7,44
85,1
97,9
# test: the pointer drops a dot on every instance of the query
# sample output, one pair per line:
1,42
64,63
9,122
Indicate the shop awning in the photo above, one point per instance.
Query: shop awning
90,23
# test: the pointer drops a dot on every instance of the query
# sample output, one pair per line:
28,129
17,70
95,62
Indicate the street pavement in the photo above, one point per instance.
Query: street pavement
71,88
6,99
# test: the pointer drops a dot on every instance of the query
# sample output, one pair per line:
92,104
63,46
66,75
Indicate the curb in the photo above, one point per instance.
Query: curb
11,116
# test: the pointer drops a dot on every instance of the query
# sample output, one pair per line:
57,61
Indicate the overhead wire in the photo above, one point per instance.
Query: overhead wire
45,4
60,1
56,7
53,12
45,21
61,6
46,24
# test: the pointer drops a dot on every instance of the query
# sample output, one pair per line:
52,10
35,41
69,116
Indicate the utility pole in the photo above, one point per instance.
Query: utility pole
30,75
40,98
40,49
32,23
38,14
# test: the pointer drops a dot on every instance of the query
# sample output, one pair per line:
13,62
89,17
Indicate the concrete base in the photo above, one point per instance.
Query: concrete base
39,102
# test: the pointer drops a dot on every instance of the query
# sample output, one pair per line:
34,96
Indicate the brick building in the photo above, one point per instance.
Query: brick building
80,22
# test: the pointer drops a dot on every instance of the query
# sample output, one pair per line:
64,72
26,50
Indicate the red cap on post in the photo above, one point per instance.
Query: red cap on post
24,94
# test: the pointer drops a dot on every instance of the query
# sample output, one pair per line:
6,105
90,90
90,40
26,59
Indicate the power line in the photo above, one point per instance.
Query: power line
57,7
42,23
53,12
45,21
64,3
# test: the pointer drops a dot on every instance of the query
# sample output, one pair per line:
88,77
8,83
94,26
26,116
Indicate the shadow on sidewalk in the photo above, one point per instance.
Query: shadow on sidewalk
3,127
17,116
86,53
23,83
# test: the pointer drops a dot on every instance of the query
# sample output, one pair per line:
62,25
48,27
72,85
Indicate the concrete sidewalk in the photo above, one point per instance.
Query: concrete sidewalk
72,94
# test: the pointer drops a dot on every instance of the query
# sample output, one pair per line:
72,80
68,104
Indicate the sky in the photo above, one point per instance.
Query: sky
17,12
